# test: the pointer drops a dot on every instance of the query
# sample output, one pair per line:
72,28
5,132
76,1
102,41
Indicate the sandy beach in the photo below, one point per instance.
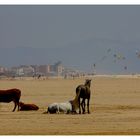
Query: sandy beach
114,107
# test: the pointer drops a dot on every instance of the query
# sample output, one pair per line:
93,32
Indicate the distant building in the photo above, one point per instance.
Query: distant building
57,68
41,70
24,70
34,70
3,70
44,69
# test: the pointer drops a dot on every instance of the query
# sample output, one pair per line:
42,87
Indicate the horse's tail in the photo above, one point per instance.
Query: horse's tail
78,90
46,112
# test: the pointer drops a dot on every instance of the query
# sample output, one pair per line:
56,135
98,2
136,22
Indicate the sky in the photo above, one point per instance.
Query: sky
101,38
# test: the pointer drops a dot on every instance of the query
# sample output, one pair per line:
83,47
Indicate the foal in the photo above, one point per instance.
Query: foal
27,107
84,93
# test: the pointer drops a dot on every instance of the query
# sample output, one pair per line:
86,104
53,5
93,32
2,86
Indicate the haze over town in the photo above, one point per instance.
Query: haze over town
87,37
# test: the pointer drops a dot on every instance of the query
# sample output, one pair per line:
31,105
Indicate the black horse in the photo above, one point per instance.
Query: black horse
85,92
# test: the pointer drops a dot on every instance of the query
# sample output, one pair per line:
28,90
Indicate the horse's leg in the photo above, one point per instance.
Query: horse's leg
88,106
58,110
83,105
79,106
15,105
18,104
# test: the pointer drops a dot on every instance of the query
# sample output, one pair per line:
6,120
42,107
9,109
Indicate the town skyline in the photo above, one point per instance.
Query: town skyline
56,69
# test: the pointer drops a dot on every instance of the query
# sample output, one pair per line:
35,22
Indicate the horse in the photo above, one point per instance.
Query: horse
58,108
27,107
84,93
10,95
64,107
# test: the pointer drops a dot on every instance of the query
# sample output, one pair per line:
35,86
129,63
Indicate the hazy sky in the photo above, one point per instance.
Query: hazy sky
79,36
56,26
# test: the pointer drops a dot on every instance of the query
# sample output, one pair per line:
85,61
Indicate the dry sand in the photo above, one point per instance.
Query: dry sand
114,106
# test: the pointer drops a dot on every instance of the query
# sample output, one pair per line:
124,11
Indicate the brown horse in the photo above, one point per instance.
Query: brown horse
26,107
84,93
10,95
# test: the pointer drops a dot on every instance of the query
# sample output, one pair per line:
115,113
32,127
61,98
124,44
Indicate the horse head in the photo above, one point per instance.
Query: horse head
88,82
21,103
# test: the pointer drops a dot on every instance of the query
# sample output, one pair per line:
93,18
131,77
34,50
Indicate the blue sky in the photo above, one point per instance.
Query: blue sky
79,36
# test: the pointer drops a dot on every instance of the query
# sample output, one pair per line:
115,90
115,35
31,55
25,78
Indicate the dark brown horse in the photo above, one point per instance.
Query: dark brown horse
10,95
27,107
85,92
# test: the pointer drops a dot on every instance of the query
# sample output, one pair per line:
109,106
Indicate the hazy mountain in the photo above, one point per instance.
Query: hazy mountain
79,55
